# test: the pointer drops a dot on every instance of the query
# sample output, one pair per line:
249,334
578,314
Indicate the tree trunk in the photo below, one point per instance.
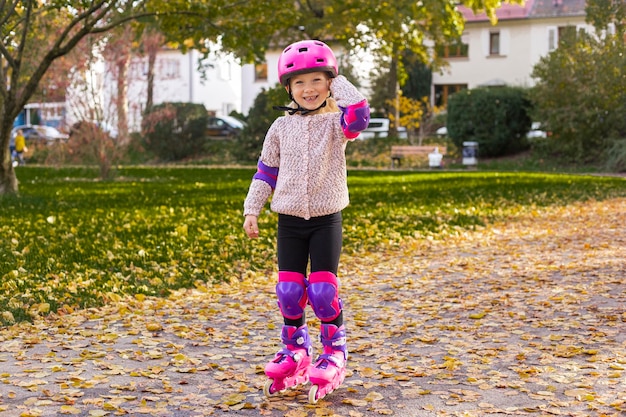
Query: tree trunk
393,86
8,180
122,98
152,41
152,54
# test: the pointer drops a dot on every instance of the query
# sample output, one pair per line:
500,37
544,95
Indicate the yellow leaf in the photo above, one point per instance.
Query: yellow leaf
69,409
477,316
154,327
233,399
355,402
373,396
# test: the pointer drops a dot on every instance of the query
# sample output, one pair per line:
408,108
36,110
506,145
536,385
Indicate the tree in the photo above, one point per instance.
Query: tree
35,35
580,93
601,13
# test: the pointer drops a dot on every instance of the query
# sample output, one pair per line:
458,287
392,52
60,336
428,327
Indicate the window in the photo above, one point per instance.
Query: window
170,68
494,43
443,91
260,72
454,50
557,35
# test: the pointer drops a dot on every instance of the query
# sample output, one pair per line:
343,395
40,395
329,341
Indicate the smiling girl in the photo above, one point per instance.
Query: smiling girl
303,165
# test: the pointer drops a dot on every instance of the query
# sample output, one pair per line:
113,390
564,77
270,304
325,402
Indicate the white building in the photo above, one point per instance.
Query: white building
179,79
506,53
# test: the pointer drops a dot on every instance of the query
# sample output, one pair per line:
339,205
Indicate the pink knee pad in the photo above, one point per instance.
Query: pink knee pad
324,295
291,292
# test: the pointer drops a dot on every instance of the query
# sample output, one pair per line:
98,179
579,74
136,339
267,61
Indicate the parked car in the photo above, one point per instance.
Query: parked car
33,133
224,126
442,131
379,128
536,131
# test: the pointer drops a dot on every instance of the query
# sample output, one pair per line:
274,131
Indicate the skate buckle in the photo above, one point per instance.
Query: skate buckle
339,342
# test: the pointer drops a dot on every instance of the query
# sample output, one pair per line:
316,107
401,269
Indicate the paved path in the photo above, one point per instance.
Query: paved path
526,317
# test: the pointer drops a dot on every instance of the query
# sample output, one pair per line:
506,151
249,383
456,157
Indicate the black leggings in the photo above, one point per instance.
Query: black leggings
318,239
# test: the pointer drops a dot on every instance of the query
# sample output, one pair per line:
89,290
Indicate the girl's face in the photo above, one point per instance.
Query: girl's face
310,90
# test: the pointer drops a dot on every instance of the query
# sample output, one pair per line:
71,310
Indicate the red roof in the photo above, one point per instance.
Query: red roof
530,9
504,12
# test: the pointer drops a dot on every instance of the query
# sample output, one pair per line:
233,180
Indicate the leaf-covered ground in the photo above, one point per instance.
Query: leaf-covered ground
526,317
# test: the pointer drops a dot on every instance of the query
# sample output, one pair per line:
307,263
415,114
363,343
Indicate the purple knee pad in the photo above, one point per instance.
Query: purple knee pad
323,295
291,292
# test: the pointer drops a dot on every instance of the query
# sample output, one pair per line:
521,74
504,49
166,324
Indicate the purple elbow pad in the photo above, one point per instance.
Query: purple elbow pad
355,118
267,174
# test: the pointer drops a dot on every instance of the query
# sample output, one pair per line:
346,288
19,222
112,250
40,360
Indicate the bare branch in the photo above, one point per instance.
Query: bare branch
11,10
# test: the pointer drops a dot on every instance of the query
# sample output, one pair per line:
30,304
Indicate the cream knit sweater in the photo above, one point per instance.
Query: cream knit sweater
310,154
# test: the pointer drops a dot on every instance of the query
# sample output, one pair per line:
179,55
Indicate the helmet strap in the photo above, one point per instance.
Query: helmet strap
300,109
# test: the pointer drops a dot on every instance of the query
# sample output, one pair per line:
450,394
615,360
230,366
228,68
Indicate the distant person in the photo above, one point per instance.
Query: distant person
303,164
12,148
20,147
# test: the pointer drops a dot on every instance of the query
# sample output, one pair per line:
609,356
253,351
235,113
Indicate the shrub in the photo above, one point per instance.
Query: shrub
616,159
496,118
580,95
174,131
260,118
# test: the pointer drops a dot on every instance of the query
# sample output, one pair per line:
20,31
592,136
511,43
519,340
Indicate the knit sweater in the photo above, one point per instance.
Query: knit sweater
309,151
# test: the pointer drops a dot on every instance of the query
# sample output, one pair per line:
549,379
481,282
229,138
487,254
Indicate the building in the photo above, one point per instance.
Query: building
505,53
180,78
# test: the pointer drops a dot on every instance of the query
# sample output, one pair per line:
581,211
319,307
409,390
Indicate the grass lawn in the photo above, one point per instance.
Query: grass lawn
71,241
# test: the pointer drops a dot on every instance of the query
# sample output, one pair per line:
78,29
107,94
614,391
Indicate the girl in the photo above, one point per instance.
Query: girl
303,164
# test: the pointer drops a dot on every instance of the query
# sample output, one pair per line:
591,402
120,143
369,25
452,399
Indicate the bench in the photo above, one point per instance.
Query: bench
400,152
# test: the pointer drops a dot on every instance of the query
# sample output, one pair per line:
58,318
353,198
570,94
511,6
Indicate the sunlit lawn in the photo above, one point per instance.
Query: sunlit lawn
72,241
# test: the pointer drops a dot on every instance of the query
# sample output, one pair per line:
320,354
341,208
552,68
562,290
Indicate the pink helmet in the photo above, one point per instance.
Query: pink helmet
306,56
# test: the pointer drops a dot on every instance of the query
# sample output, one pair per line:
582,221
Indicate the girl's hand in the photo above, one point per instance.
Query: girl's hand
251,227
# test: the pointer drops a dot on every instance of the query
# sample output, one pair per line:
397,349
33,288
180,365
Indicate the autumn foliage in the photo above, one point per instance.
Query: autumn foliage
466,294
72,241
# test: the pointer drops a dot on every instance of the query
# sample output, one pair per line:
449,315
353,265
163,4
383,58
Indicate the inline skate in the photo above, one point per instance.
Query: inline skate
290,366
329,369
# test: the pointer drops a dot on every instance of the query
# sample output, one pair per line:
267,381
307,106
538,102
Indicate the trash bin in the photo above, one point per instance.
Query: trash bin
470,153
434,159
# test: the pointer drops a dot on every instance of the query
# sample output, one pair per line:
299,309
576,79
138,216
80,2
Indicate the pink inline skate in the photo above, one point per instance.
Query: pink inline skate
329,370
290,366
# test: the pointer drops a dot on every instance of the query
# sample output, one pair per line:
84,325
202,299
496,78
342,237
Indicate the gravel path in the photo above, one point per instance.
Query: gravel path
526,317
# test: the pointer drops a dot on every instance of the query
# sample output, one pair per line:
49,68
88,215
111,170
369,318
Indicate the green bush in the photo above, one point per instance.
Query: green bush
497,118
616,159
260,118
580,96
174,131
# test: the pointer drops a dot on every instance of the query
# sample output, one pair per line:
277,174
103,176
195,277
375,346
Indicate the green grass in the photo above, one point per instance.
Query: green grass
72,241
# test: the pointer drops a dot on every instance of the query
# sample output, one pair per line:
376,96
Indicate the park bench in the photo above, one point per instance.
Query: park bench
398,153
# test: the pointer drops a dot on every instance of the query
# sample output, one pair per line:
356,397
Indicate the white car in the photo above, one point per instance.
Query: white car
442,131
42,133
379,128
536,132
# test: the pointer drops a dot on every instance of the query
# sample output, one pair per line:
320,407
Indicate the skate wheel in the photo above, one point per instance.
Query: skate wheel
313,394
267,388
